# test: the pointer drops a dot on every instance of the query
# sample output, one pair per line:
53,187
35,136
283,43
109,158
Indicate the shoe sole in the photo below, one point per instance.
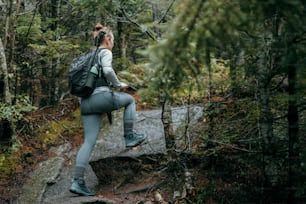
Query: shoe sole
80,194
137,144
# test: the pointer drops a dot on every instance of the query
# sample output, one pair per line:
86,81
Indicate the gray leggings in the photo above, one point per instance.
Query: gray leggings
92,109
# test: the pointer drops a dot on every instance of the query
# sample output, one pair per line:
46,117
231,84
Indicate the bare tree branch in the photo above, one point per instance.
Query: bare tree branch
137,24
166,13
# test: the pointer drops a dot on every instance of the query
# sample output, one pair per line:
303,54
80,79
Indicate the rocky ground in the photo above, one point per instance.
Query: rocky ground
118,175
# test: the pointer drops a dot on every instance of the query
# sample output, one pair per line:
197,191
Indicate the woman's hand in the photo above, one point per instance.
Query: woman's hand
123,87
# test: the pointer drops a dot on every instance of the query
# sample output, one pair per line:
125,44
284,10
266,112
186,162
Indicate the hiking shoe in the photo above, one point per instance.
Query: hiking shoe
78,187
133,139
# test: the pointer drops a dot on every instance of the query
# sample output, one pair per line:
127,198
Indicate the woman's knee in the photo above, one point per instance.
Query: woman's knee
125,99
131,99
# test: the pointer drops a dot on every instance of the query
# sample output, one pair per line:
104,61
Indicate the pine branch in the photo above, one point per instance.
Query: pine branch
167,11
137,24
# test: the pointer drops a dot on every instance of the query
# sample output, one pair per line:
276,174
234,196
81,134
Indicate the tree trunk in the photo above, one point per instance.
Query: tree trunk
266,133
155,20
211,123
121,36
4,70
48,86
8,127
266,125
7,23
293,134
52,95
168,125
12,45
235,61
13,33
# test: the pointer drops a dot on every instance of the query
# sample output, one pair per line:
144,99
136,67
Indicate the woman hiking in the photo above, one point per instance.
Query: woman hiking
103,100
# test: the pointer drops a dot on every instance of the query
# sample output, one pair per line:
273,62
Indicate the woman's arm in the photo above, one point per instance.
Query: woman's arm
105,59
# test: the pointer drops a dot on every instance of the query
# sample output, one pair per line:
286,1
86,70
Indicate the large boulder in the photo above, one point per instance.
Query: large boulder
51,181
111,140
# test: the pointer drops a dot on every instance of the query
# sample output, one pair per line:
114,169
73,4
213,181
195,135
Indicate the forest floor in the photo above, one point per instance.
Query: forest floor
151,181
32,150
147,178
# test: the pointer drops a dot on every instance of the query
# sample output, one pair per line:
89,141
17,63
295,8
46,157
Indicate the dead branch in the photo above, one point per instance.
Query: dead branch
137,24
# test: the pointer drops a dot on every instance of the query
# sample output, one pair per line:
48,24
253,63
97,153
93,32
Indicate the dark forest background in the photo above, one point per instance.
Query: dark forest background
243,61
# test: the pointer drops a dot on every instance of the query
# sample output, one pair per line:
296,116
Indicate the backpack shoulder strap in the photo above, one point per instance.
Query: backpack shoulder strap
102,81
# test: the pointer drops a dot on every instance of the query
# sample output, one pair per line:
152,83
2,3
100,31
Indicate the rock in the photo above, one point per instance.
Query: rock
60,189
184,119
61,150
68,199
47,173
181,115
51,181
111,141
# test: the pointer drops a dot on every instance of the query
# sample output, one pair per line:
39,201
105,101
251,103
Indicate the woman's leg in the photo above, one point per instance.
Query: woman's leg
91,110
91,125
128,102
105,102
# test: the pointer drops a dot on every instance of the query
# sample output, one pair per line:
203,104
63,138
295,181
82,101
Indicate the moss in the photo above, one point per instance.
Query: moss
76,115
50,132
53,131
8,163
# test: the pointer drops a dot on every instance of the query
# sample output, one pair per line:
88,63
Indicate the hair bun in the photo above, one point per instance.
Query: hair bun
98,27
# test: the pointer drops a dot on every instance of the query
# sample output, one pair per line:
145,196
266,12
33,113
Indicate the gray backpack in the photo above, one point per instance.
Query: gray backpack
83,73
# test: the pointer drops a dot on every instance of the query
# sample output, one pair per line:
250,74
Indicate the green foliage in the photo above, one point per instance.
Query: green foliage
192,87
235,121
8,164
184,49
139,76
51,132
55,49
50,36
122,63
29,31
14,113
207,49
230,136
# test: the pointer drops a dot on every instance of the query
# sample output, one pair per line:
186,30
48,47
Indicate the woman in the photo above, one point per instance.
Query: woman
103,100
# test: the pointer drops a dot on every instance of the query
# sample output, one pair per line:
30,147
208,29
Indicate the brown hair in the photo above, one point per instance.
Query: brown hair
100,28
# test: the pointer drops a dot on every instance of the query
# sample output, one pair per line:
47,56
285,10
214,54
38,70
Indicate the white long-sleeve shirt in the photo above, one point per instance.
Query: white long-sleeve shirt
105,58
